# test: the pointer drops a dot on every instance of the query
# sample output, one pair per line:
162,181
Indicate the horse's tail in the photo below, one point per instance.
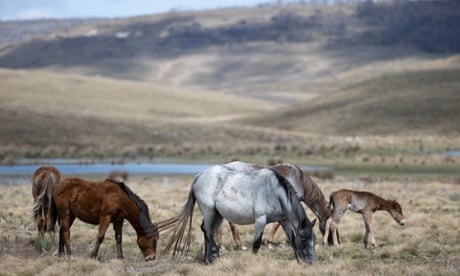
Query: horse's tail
52,209
53,215
179,225
38,210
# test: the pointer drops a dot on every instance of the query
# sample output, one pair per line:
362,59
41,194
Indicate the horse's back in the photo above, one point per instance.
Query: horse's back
47,170
87,199
46,177
238,195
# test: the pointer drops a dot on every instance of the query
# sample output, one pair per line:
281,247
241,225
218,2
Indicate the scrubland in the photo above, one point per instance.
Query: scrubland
428,245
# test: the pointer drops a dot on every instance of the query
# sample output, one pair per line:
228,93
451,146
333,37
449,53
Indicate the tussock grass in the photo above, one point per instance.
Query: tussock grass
429,243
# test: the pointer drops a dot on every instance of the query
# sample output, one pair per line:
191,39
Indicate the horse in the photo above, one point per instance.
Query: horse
102,203
242,197
362,202
118,175
44,180
307,190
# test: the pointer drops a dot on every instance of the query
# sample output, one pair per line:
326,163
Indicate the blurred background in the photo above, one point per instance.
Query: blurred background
368,86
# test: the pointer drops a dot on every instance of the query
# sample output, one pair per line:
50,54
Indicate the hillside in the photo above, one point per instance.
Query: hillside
269,79
53,114
415,102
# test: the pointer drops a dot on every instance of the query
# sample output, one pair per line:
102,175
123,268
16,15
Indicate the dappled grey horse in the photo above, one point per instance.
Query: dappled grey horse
242,197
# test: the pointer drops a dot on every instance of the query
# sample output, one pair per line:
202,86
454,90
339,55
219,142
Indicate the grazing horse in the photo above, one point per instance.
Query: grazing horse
118,175
362,202
242,197
44,180
307,191
103,203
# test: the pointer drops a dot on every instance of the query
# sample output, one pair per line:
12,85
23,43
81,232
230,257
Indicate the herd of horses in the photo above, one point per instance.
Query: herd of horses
239,192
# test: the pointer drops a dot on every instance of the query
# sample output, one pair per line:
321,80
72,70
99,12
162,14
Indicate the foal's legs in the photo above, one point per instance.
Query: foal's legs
103,225
332,224
367,217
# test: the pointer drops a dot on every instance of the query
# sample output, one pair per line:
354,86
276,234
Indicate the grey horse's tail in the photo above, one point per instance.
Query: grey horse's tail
180,227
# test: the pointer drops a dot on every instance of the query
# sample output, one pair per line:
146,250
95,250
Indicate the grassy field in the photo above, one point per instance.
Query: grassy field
428,245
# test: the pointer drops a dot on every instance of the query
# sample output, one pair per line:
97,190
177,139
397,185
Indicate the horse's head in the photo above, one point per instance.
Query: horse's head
305,241
148,244
396,212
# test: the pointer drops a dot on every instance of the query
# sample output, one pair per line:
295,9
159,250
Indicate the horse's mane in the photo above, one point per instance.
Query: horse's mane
315,193
145,220
292,196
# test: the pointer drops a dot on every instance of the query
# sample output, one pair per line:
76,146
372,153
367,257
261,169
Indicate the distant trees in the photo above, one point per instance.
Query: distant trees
432,26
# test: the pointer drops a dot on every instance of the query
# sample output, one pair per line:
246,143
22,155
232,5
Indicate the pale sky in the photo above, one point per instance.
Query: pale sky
34,9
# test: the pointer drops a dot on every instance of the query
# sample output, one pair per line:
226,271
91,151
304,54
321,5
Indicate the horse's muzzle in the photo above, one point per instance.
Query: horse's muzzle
402,222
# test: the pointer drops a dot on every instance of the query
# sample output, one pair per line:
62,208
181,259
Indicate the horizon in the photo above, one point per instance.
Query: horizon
73,9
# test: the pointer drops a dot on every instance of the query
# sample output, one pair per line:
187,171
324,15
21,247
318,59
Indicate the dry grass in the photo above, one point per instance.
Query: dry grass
428,245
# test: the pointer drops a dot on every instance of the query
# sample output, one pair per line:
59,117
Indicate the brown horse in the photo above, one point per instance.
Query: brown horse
362,202
307,190
103,203
44,180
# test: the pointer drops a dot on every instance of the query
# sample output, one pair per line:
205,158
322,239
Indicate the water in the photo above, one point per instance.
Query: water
131,168
452,153
77,167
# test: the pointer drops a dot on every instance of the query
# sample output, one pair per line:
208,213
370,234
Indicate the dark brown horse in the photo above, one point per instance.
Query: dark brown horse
365,203
307,190
44,180
103,203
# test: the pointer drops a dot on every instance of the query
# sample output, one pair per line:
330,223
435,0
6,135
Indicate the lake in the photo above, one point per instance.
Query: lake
69,167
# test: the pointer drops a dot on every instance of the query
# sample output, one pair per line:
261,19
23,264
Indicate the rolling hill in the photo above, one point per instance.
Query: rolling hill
215,81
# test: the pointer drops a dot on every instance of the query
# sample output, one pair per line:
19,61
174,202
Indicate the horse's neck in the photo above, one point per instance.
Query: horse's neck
135,219
315,200
380,204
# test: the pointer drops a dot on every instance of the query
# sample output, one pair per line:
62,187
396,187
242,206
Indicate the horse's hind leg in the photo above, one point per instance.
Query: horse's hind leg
64,234
211,223
236,236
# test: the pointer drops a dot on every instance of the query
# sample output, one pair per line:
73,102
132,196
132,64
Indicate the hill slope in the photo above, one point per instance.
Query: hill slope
415,102
44,110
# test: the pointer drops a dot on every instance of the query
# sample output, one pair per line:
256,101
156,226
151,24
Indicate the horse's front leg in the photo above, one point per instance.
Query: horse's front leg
367,216
117,227
103,225
258,232
275,227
